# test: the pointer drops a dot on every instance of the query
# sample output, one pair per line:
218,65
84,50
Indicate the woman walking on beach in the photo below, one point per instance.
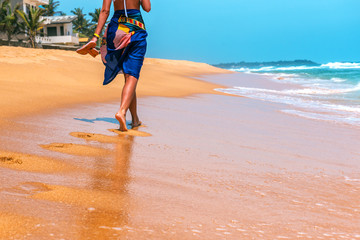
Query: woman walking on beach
123,48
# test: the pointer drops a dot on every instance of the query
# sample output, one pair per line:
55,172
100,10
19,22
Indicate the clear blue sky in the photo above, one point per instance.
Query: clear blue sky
249,30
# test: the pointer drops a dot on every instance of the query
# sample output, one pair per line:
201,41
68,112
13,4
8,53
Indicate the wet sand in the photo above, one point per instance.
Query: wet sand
204,166
253,173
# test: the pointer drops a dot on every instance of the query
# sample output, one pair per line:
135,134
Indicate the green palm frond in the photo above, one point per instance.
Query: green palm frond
32,22
9,22
50,9
95,15
81,24
94,20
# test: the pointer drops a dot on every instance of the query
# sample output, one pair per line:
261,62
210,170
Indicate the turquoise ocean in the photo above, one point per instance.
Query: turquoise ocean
329,92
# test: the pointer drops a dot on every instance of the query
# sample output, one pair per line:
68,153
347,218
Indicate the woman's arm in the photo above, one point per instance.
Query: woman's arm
146,5
104,14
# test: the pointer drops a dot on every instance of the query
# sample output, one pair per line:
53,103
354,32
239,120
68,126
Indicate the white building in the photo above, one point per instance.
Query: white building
56,30
27,3
59,30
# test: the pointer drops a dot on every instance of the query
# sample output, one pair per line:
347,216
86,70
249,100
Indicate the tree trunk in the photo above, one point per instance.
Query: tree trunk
9,38
32,41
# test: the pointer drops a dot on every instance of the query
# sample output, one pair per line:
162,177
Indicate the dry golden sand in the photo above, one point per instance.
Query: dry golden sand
36,79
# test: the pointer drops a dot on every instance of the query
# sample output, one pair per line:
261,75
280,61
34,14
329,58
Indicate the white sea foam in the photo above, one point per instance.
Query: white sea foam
341,65
296,97
327,93
306,99
239,69
273,68
331,65
325,117
338,80
296,68
302,91
351,179
324,91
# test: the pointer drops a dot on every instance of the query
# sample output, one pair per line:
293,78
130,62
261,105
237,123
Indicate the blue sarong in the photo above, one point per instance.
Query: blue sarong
124,45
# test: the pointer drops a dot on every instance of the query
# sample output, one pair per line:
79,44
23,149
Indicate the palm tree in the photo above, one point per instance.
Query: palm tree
3,9
32,22
81,24
95,15
9,22
94,21
51,7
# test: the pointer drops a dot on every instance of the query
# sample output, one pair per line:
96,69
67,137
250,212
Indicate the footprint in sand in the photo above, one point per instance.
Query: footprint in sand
131,132
10,160
76,149
97,137
26,189
93,200
32,163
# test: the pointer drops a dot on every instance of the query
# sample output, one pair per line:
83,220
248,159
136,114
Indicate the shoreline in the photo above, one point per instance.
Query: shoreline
243,171
321,98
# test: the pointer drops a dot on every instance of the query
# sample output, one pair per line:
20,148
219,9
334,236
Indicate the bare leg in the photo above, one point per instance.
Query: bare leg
133,110
127,97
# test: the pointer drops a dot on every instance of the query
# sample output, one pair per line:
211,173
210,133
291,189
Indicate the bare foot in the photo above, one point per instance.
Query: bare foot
136,124
121,118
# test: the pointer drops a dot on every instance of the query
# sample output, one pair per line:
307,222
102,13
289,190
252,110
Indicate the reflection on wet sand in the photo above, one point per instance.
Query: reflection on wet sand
88,198
113,177
251,181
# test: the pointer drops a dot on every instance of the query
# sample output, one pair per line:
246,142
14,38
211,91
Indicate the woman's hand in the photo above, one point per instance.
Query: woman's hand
94,39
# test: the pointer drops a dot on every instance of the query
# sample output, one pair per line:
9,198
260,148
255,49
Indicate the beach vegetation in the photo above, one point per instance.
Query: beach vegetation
3,8
9,20
81,24
94,21
32,22
50,9
95,16
14,21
